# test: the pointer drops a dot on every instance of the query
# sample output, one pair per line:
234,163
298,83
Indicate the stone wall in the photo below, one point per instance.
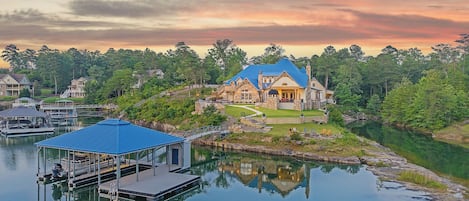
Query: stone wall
297,104
252,122
200,105
280,152
270,103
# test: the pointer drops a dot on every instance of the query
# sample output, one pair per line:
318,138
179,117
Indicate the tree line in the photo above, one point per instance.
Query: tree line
360,82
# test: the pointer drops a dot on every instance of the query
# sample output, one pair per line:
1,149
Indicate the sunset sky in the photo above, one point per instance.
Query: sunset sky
301,27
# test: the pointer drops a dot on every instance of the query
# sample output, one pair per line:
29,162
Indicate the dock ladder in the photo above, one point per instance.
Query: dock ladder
113,192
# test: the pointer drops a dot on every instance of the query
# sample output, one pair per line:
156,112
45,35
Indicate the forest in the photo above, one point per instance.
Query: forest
403,86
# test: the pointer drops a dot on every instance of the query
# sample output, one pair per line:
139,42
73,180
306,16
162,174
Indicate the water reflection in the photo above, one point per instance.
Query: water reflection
419,148
18,149
225,176
272,176
236,176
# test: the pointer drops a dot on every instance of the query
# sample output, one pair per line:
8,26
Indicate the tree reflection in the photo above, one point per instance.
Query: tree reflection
327,168
221,180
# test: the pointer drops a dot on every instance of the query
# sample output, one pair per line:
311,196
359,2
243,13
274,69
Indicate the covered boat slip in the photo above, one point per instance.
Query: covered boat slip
24,121
133,152
153,184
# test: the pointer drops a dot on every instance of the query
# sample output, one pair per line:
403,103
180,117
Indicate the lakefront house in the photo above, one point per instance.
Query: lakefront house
76,89
12,84
276,86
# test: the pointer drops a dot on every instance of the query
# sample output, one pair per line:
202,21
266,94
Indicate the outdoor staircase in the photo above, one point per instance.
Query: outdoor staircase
65,94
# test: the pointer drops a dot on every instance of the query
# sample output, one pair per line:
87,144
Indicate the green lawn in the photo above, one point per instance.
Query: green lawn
236,111
283,129
55,98
7,98
288,113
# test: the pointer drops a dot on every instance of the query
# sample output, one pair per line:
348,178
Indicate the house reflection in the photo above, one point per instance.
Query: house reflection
269,175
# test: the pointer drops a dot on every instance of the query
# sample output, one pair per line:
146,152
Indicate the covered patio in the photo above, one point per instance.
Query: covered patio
126,143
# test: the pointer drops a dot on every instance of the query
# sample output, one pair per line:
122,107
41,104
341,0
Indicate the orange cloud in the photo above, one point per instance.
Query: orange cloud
304,26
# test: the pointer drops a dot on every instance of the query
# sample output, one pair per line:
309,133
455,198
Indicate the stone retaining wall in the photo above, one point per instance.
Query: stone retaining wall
352,160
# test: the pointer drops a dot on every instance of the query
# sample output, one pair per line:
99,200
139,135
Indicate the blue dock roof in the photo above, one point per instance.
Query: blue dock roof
111,136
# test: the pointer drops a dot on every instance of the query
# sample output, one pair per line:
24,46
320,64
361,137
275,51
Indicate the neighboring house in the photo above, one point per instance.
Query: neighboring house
12,84
276,86
141,79
77,88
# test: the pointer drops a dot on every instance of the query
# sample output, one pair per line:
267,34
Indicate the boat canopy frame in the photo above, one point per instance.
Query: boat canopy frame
114,137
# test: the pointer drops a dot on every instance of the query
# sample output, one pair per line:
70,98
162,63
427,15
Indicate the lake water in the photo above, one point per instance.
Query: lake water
225,176
446,159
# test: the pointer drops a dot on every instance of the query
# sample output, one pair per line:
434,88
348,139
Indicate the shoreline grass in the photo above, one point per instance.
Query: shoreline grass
419,179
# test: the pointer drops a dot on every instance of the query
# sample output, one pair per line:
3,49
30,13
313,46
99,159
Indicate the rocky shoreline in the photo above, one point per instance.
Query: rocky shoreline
383,163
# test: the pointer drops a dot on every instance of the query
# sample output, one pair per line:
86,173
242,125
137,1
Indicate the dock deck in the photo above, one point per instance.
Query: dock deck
162,186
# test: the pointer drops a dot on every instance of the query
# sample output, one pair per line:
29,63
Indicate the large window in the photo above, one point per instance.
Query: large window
245,95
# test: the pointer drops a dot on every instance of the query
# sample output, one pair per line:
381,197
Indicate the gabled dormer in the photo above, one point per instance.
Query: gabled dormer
284,80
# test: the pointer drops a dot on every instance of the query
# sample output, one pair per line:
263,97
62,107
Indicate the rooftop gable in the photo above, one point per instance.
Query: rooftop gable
17,78
283,65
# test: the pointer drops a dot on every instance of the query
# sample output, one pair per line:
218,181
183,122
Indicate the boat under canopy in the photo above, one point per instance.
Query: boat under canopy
24,121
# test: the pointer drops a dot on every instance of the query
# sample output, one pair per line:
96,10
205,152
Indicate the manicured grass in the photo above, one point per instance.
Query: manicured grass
288,113
416,178
53,99
7,98
283,129
237,111
334,140
280,138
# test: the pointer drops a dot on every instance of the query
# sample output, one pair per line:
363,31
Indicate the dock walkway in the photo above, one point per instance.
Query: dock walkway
162,186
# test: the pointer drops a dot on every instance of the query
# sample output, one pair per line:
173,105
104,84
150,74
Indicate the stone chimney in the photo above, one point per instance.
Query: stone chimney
308,71
260,80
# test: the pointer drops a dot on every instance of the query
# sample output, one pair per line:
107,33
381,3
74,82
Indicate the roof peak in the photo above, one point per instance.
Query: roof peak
113,122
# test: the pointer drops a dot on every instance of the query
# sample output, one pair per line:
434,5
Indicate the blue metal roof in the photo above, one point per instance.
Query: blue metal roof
283,65
111,136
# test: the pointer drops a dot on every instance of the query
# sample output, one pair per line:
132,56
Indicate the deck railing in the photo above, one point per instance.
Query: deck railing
203,131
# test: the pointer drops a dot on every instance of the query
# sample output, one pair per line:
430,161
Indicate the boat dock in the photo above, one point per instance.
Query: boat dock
133,172
159,185
24,121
